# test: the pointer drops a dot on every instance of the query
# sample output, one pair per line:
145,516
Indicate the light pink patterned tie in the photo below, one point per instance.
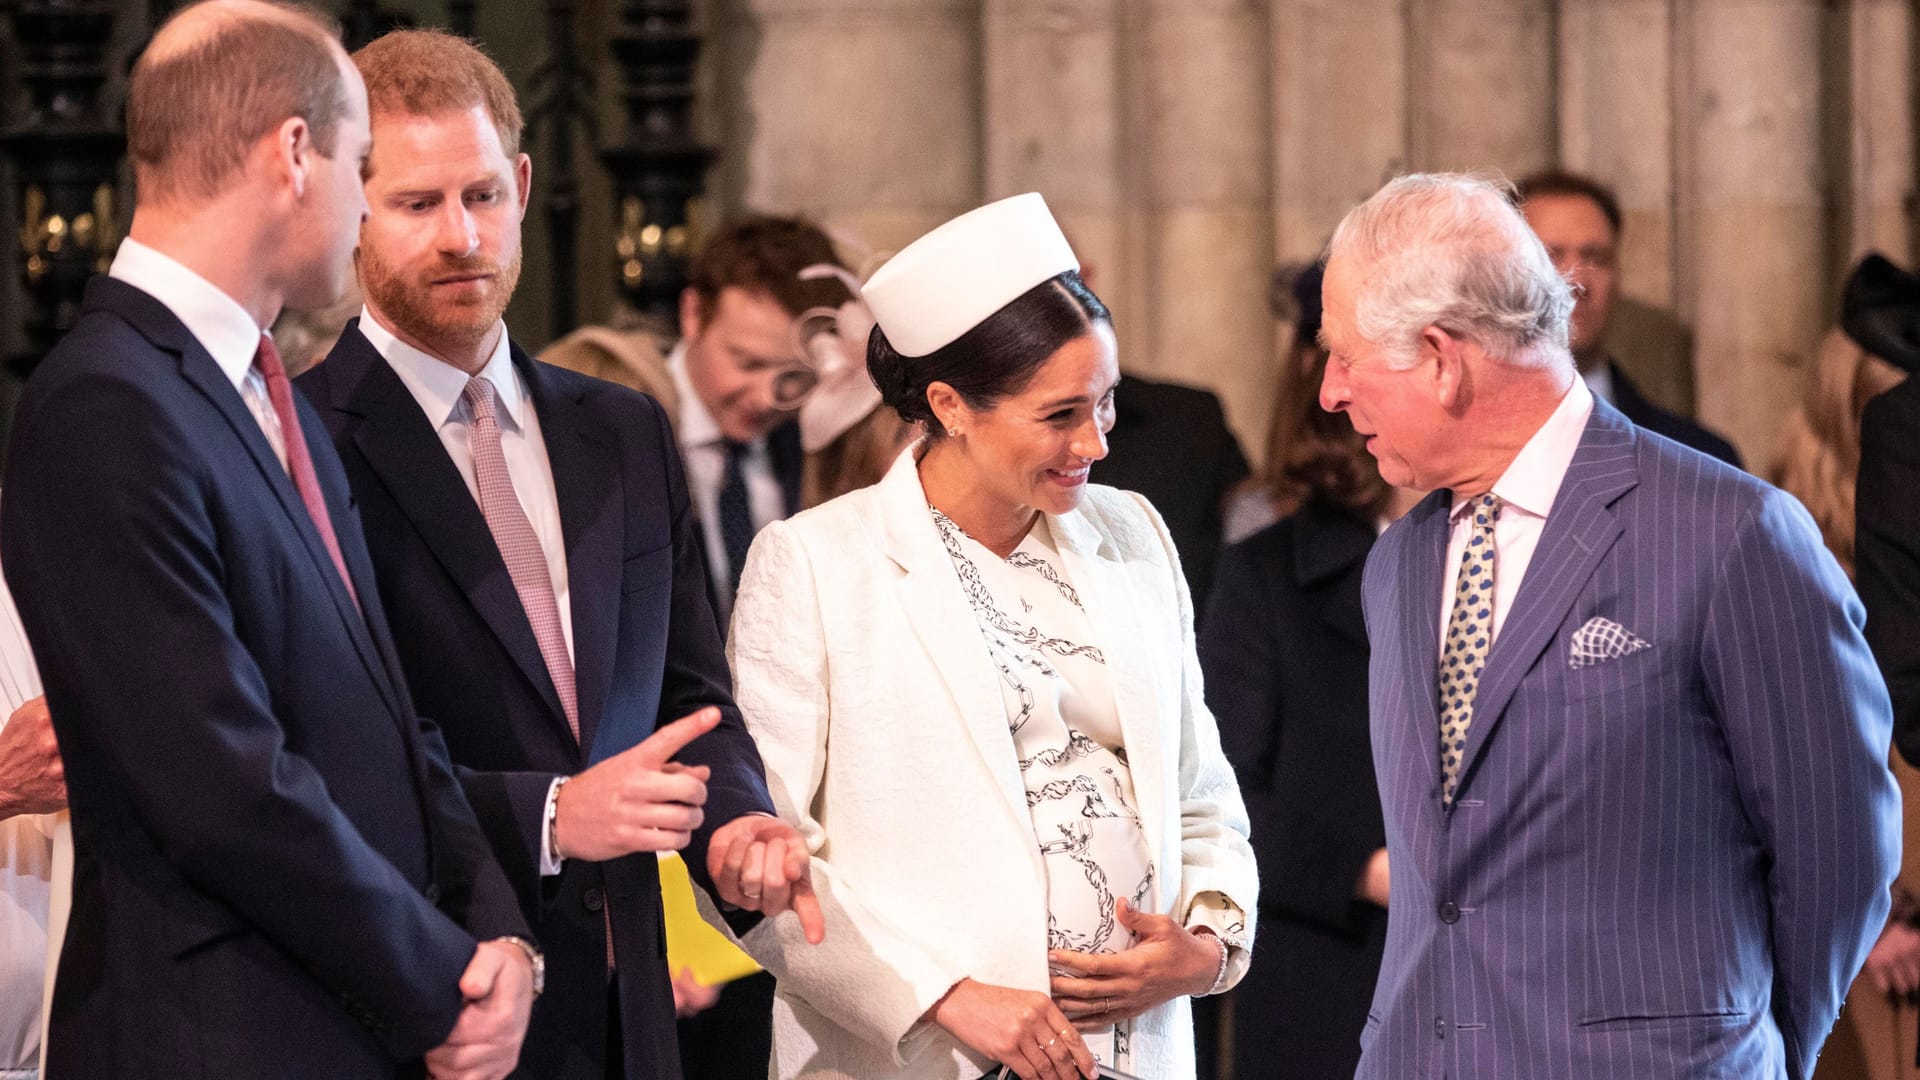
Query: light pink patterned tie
513,534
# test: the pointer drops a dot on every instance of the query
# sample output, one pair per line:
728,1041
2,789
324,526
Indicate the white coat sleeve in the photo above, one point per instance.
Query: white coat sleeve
871,976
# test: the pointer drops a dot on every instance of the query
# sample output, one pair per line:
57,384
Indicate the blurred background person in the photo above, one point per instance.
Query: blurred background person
719,382
849,437
1578,219
1862,418
1284,649
975,689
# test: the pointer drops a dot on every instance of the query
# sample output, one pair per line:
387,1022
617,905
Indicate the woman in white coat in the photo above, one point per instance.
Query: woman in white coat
975,690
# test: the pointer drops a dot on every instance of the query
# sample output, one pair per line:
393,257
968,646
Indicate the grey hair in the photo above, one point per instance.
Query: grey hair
1452,250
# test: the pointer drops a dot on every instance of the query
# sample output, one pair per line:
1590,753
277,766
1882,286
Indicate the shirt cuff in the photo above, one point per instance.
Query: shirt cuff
1227,921
550,862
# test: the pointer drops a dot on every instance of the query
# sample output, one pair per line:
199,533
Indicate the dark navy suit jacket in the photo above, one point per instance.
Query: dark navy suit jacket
646,651
1671,863
276,873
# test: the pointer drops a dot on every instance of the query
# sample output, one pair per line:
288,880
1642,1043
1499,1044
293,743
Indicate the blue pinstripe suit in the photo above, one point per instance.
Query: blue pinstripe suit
1667,864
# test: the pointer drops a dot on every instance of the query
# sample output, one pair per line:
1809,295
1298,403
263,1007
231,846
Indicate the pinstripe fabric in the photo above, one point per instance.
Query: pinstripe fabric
1666,864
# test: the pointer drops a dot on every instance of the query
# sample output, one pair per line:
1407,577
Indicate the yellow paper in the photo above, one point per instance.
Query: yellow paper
691,943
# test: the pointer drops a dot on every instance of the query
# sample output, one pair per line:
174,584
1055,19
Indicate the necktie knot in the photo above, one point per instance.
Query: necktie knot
479,394
1486,509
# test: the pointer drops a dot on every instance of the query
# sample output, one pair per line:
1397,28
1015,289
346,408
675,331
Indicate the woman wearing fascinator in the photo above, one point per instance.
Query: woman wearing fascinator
850,439
975,690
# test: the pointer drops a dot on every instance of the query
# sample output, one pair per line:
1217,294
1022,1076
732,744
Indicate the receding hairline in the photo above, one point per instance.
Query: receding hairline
193,26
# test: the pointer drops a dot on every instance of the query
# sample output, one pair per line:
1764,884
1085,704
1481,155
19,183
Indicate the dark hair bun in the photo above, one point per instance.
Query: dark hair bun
894,376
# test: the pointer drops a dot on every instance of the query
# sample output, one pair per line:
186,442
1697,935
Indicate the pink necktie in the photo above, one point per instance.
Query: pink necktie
299,462
519,546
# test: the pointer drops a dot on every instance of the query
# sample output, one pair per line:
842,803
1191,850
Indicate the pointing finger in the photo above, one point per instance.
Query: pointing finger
661,746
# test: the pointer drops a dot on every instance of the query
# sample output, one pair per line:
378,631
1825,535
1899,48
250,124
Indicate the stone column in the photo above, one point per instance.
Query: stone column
1340,109
1881,150
1753,239
1616,125
862,113
1199,154
1481,82
1053,111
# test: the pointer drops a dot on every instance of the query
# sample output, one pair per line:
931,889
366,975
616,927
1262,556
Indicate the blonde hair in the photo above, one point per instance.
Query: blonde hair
1820,458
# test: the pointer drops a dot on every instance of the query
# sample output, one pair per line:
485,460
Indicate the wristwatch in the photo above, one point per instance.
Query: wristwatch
534,957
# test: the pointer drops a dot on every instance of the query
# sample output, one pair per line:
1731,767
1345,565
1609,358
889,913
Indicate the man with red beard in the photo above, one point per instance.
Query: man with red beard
531,531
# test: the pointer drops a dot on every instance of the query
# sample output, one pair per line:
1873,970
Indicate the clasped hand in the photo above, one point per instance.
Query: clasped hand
485,1042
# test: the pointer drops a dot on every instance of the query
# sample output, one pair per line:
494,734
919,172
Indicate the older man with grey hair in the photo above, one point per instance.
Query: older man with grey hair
1630,742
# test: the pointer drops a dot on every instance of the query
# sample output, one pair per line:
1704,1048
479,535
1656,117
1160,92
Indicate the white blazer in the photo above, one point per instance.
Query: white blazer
876,707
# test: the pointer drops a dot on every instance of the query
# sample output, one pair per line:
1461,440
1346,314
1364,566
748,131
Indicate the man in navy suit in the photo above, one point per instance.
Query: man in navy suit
531,530
276,873
1630,742
1579,221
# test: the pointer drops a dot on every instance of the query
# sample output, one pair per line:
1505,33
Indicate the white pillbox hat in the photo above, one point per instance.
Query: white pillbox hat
950,280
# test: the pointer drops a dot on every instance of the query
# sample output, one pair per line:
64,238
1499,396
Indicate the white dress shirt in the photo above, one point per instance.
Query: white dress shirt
705,450
440,389
215,319
26,877
1527,490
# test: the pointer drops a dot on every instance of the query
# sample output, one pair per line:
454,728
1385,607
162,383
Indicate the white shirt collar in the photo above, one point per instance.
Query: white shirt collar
697,425
1532,480
216,320
437,385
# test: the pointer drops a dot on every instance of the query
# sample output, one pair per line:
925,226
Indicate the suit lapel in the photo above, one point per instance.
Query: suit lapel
200,370
584,457
1581,528
404,450
1107,590
931,595
1418,581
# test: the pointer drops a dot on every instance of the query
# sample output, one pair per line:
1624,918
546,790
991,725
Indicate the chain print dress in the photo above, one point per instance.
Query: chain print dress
1066,732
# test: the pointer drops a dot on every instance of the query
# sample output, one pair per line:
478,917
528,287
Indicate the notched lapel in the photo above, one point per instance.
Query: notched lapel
936,607
197,366
400,445
1418,581
587,484
1581,528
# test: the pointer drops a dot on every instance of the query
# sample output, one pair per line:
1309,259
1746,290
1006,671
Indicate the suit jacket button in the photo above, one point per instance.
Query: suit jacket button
593,899
1449,912
432,893
1439,1027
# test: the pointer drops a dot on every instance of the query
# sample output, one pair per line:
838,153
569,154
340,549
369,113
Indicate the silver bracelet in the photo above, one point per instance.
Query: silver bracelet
1220,976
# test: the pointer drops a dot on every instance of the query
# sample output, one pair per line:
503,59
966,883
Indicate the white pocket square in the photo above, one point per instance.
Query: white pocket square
1601,639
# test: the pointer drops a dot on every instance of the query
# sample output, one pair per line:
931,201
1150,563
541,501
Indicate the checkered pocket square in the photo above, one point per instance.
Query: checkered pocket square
1601,639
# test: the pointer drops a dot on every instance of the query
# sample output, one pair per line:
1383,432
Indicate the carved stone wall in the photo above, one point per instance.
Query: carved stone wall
1758,147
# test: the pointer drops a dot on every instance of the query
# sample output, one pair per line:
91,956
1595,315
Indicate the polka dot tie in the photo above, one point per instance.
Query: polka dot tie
1469,637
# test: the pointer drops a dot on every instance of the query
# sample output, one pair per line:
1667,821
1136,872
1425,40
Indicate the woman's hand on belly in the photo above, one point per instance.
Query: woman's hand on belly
1017,1028
1166,961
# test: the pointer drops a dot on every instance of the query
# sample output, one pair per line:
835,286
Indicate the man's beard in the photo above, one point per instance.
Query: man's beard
440,324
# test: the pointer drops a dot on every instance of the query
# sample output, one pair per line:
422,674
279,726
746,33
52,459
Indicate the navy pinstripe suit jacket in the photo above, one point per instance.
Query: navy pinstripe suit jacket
1667,864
